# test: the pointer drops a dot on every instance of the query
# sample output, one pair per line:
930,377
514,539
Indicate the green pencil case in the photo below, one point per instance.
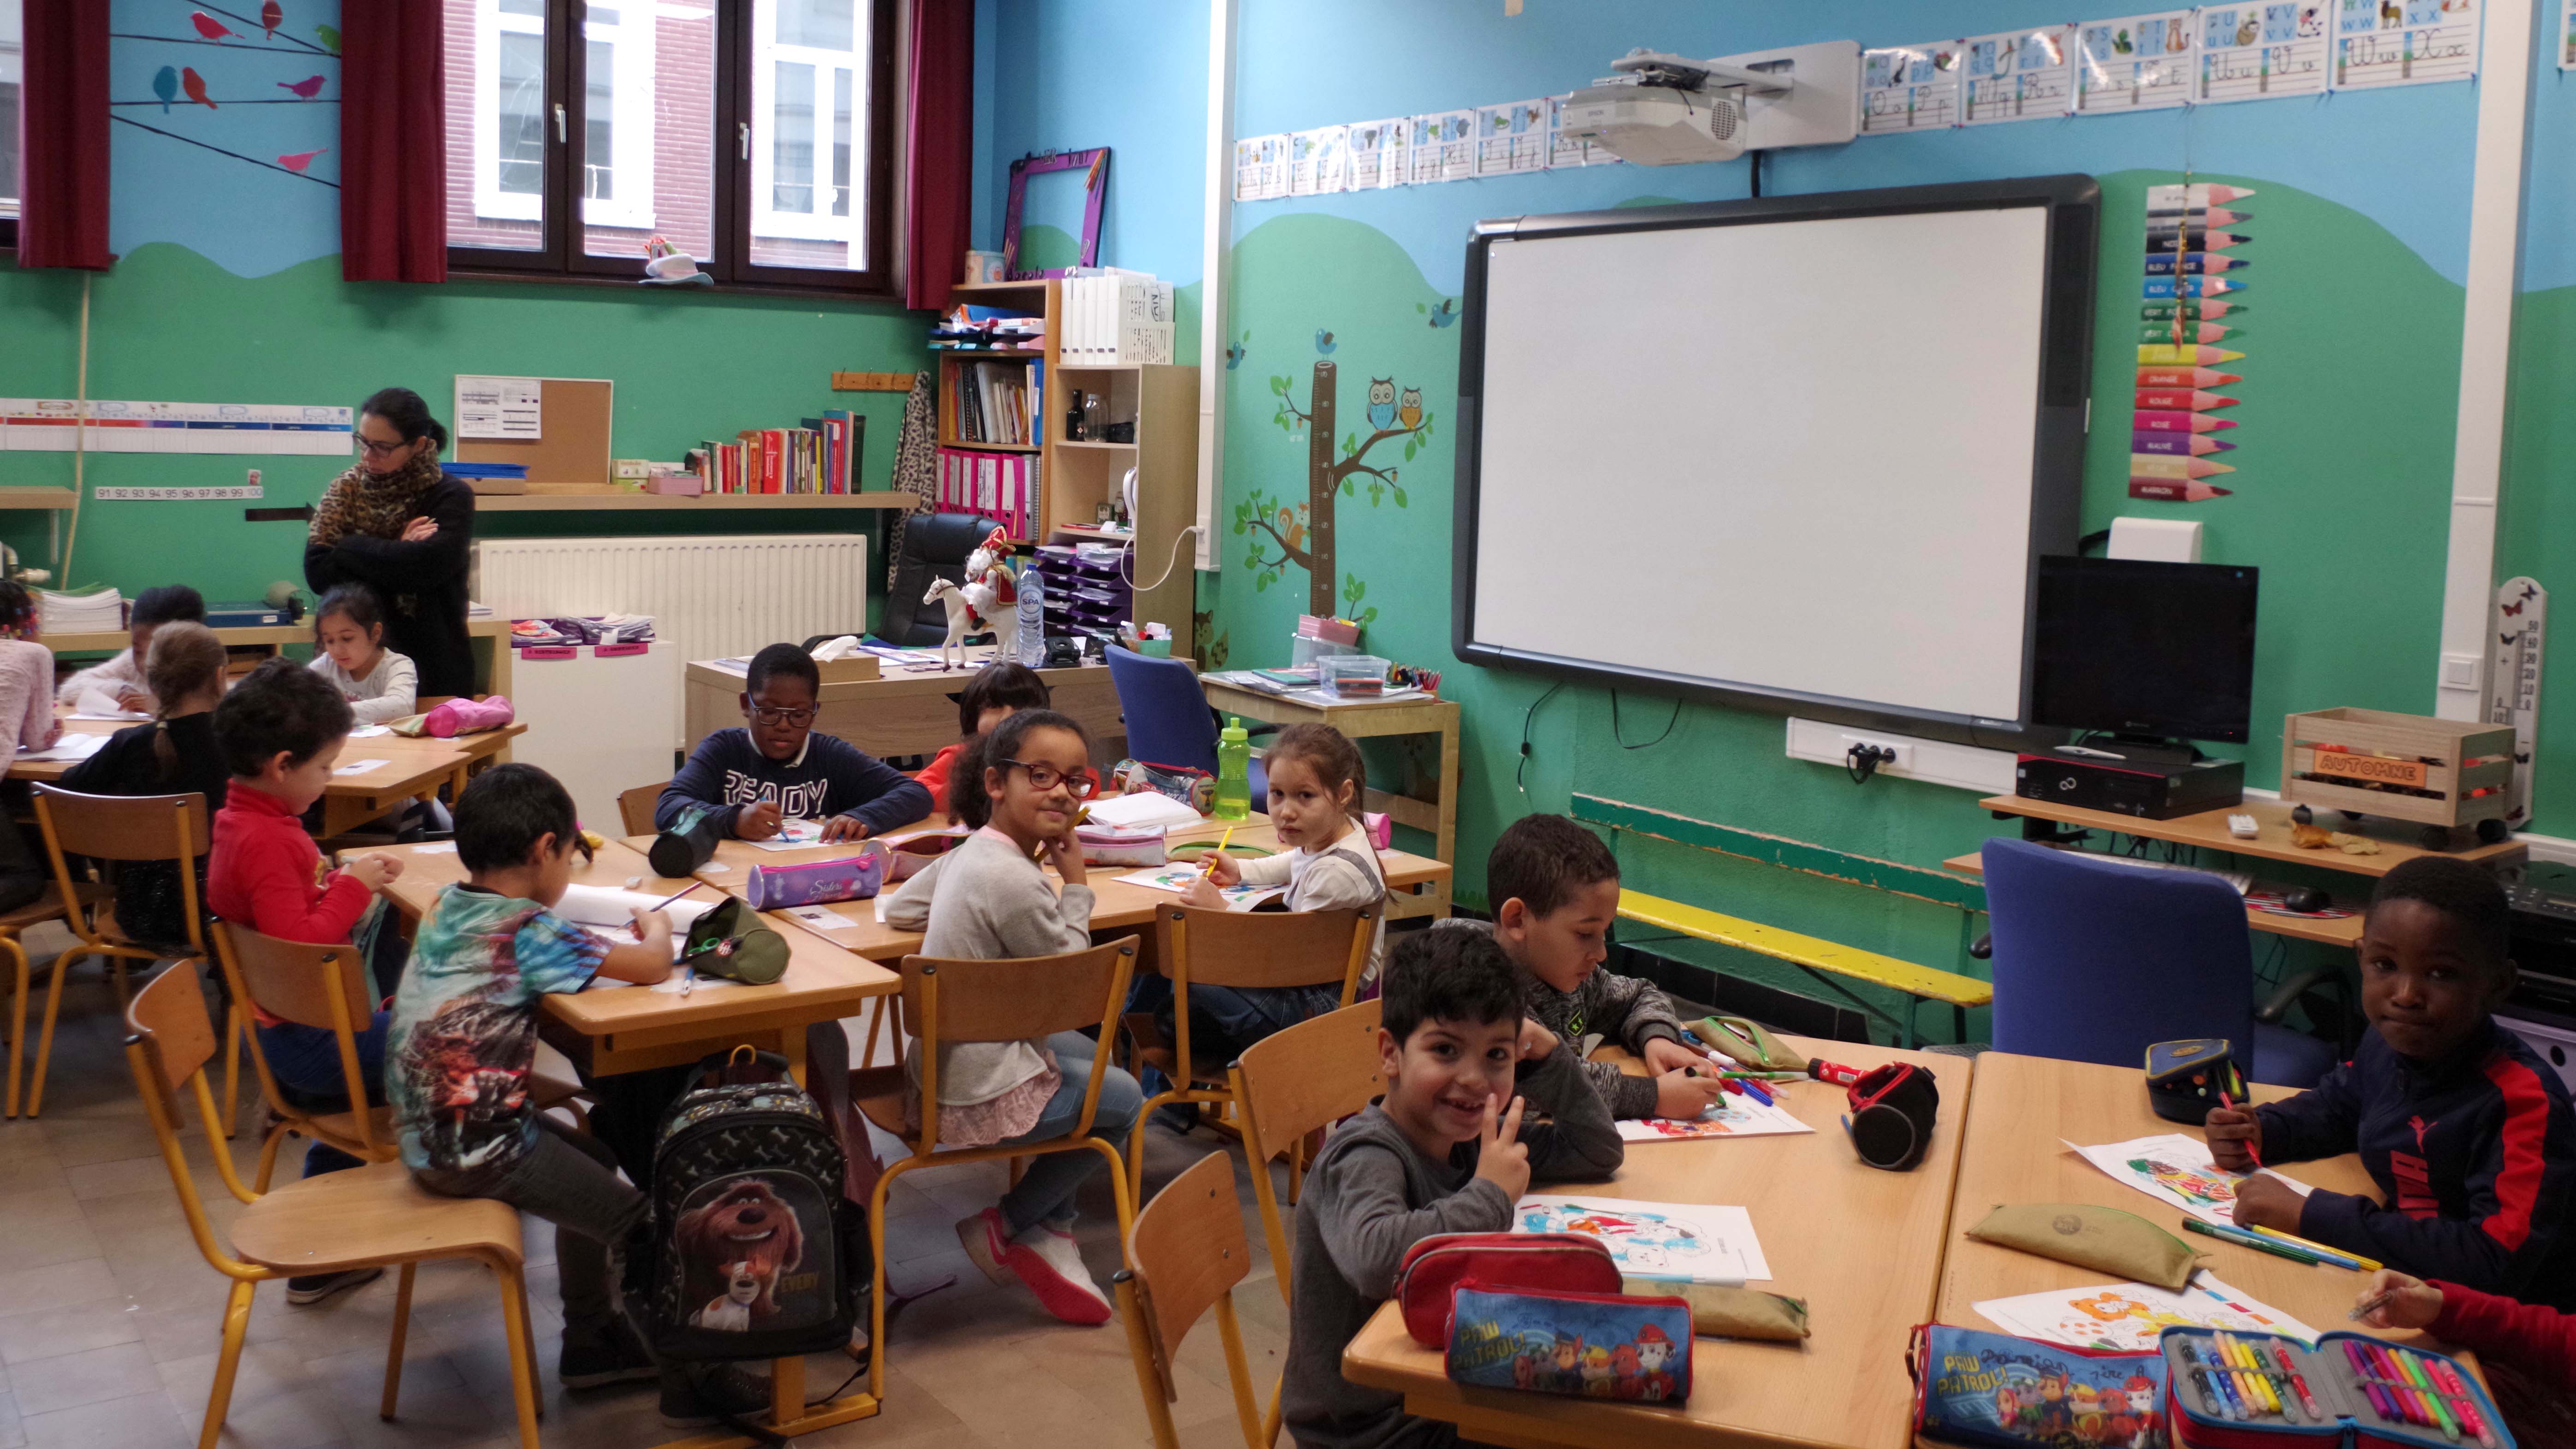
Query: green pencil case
1748,1043
1719,1311
2104,1239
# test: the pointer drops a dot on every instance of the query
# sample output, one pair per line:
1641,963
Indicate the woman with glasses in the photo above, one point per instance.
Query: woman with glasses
402,525
750,783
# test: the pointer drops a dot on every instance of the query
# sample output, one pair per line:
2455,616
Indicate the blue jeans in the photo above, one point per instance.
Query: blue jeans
1226,1019
306,1059
1045,1193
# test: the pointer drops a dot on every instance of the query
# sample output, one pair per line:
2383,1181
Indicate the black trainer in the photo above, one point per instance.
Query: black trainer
703,1394
315,1287
613,1356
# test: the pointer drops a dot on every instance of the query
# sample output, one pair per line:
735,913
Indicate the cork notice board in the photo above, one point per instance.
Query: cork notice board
572,449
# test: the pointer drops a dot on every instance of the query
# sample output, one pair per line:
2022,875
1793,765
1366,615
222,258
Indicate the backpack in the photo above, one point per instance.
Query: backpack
753,1251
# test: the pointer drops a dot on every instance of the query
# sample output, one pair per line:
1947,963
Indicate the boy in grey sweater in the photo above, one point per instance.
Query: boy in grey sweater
1444,1151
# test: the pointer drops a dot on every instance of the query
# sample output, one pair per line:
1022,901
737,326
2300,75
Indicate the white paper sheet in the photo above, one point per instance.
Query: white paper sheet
2175,1169
2018,75
361,767
2413,43
1179,877
2261,51
500,407
1909,88
2129,1317
1729,1116
73,745
2133,63
1699,1242
97,704
1142,807
44,425
792,835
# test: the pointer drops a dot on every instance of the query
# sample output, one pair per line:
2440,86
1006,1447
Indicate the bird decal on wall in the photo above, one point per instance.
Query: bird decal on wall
209,27
329,36
305,89
1324,342
1381,403
269,15
298,161
195,85
1446,313
165,84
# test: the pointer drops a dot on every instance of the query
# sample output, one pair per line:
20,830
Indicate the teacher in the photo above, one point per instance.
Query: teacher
400,524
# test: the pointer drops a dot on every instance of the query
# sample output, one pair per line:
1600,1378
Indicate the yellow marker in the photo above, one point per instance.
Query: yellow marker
2368,1265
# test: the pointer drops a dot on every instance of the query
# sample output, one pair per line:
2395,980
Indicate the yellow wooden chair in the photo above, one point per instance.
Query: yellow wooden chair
317,986
1261,949
125,829
1186,1254
373,1216
953,1002
635,808
20,975
1296,1083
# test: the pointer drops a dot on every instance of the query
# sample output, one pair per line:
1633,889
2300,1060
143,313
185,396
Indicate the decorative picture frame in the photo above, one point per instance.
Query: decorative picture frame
1095,191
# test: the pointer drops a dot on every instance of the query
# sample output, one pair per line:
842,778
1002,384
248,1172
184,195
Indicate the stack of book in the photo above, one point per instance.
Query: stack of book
997,402
1117,319
101,611
819,456
997,485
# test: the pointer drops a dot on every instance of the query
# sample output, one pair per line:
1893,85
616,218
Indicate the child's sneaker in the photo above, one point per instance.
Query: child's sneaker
1047,1260
703,1394
612,1355
313,1288
987,1240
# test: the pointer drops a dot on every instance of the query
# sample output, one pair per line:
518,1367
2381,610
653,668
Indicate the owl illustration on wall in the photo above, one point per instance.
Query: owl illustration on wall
1381,403
1408,409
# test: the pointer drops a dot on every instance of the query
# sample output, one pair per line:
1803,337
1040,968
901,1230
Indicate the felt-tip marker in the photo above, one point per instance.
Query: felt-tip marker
2298,1382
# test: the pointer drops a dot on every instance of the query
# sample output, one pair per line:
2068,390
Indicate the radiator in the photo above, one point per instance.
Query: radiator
710,597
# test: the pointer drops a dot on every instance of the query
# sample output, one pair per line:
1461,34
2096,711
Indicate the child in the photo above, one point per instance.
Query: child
1444,1151
2466,1132
2529,1352
174,755
777,769
1327,863
1556,889
349,630
994,902
998,691
465,1033
122,676
27,722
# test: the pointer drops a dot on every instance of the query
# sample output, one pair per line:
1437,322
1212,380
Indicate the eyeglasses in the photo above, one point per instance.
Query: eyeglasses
1047,777
800,718
375,449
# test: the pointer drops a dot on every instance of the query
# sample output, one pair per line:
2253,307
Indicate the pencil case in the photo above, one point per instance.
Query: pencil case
1585,1345
1121,844
1748,1043
2241,1391
2105,1240
1995,1391
817,882
1560,1262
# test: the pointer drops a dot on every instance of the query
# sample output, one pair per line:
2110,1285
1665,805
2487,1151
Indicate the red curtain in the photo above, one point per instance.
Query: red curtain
62,137
939,167
393,142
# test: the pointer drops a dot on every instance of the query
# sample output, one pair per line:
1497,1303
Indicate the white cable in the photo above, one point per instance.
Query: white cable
1171,561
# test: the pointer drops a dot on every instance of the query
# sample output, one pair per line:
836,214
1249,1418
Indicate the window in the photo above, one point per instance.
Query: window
12,70
751,134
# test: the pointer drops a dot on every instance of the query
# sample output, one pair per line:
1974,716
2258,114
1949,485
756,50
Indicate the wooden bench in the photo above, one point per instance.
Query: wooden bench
1818,957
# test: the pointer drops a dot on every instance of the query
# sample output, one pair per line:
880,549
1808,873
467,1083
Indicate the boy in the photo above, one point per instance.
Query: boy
746,782
2467,1134
1557,891
1444,1151
998,691
464,1035
122,676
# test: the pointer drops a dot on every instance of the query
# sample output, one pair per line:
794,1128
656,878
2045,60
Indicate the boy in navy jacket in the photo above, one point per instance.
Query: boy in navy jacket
745,782
2467,1133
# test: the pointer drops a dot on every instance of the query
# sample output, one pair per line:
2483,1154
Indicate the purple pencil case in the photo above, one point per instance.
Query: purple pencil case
817,882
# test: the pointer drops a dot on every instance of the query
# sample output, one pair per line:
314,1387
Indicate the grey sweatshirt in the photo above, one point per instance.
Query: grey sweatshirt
1605,1007
1370,1196
993,903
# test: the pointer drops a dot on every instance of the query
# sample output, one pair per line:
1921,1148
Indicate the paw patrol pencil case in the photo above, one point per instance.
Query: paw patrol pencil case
1586,1345
1995,1391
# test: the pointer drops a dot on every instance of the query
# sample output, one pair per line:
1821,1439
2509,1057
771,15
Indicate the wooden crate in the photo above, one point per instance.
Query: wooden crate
2435,772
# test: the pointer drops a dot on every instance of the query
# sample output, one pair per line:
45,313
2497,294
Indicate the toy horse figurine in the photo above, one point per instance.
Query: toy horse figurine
988,596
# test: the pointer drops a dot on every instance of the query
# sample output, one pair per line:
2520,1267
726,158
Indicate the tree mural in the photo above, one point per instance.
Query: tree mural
1281,534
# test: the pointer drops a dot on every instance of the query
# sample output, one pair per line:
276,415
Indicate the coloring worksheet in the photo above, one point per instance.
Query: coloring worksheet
1729,1116
792,835
2134,63
1180,876
2255,52
1378,152
1909,88
2130,1317
1316,159
2381,43
1444,146
2019,75
1511,137
1655,1239
2175,1169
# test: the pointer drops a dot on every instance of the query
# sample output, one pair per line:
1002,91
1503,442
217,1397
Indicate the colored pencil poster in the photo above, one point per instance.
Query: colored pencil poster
2567,34
1909,88
1728,1116
2018,75
2256,52
2131,1317
2381,43
1701,1243
1378,153
2135,63
2176,446
1316,160
1444,146
2174,1169
1511,137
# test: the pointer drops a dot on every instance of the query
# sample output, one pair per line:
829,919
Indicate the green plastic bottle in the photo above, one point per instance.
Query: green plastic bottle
1233,771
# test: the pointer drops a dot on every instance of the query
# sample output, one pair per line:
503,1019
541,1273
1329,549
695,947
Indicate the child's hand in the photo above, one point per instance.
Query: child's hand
2413,1303
134,699
2265,1201
1064,853
1536,1040
652,927
2235,1135
844,827
1663,1054
1223,870
1204,894
1683,1096
756,821
374,872
1501,1159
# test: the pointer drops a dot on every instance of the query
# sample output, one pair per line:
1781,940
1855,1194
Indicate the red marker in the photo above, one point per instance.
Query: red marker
2178,445
2192,264
2299,1382
2186,377
2167,491
2177,422
2192,401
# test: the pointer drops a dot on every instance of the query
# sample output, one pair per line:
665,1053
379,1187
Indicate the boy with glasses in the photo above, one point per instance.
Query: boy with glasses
746,783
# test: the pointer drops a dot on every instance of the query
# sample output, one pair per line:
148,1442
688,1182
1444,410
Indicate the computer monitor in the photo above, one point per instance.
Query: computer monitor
2145,650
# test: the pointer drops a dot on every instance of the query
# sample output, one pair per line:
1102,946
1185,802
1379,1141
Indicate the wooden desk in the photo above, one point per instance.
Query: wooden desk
2208,831
903,713
2344,932
271,637
1863,1245
413,769
1361,720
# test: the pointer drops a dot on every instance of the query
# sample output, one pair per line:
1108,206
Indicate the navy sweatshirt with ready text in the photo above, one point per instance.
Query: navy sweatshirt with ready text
828,777
2475,1154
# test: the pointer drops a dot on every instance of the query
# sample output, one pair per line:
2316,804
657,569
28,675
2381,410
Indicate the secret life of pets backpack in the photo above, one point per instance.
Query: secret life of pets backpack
753,1251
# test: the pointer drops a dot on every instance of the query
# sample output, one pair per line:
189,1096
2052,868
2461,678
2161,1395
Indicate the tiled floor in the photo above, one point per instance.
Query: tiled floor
109,1318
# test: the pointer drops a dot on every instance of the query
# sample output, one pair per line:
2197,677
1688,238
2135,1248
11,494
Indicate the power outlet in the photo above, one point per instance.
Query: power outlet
1898,757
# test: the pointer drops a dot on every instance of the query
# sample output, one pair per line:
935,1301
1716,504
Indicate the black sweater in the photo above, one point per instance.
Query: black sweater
148,905
422,585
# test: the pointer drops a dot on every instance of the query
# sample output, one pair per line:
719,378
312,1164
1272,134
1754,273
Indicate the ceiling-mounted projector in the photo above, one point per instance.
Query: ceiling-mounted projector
1667,110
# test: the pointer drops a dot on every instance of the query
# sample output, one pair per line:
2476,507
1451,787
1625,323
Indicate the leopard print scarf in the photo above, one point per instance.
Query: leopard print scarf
360,502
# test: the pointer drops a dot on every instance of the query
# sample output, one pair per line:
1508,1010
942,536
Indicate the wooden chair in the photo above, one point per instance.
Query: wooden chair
1296,1083
21,976
317,986
371,1216
126,829
952,1002
635,808
1185,1254
1265,949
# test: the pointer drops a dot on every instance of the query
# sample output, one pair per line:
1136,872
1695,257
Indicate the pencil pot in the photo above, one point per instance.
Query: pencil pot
818,882
691,842
2251,1390
1586,1345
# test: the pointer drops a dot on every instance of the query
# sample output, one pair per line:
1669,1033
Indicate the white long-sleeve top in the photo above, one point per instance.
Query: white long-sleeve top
116,676
388,691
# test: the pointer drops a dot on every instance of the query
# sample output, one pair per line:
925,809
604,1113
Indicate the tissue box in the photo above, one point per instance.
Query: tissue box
675,485
817,882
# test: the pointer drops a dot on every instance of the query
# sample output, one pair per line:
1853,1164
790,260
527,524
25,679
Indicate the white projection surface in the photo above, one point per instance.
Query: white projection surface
1793,455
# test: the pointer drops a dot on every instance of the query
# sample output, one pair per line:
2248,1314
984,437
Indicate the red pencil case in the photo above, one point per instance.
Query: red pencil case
2366,1392
1502,1262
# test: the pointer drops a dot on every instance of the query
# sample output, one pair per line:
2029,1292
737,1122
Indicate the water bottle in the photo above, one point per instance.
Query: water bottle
1032,650
1233,771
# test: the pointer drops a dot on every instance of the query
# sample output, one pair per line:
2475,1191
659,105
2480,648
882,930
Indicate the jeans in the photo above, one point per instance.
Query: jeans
306,1060
569,1179
1226,1019
1045,1193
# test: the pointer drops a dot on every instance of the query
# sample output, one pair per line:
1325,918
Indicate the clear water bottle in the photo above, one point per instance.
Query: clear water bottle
1032,647
1233,771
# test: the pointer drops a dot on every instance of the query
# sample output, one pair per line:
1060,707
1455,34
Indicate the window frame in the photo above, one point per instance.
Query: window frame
739,136
14,123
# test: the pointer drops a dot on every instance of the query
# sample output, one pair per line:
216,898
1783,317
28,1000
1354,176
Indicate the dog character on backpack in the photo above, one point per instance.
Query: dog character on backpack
745,1238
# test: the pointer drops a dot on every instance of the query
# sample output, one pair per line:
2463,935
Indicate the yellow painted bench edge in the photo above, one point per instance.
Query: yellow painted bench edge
1707,925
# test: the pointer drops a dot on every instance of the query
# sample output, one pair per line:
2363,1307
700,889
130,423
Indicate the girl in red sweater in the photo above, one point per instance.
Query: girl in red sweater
997,692
2528,1352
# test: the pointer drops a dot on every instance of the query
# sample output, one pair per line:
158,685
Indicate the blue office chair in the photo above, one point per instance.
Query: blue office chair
1168,718
2094,960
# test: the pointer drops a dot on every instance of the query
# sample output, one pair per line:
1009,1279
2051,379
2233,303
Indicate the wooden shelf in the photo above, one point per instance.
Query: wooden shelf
665,503
991,447
1104,367
37,498
1033,284
1070,443
1024,354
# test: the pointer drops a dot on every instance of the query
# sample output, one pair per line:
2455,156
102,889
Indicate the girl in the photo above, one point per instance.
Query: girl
174,755
349,629
27,715
993,902
1316,782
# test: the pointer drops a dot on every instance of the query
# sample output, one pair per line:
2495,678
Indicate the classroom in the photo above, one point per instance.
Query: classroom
1550,722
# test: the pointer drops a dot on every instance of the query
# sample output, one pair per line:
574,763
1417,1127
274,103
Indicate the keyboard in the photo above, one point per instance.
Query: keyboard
2237,878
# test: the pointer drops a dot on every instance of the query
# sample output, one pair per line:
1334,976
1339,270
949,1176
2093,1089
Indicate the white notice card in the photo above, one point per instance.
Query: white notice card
500,407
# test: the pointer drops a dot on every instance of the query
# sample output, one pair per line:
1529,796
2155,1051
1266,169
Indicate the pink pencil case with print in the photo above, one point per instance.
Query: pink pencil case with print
817,882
